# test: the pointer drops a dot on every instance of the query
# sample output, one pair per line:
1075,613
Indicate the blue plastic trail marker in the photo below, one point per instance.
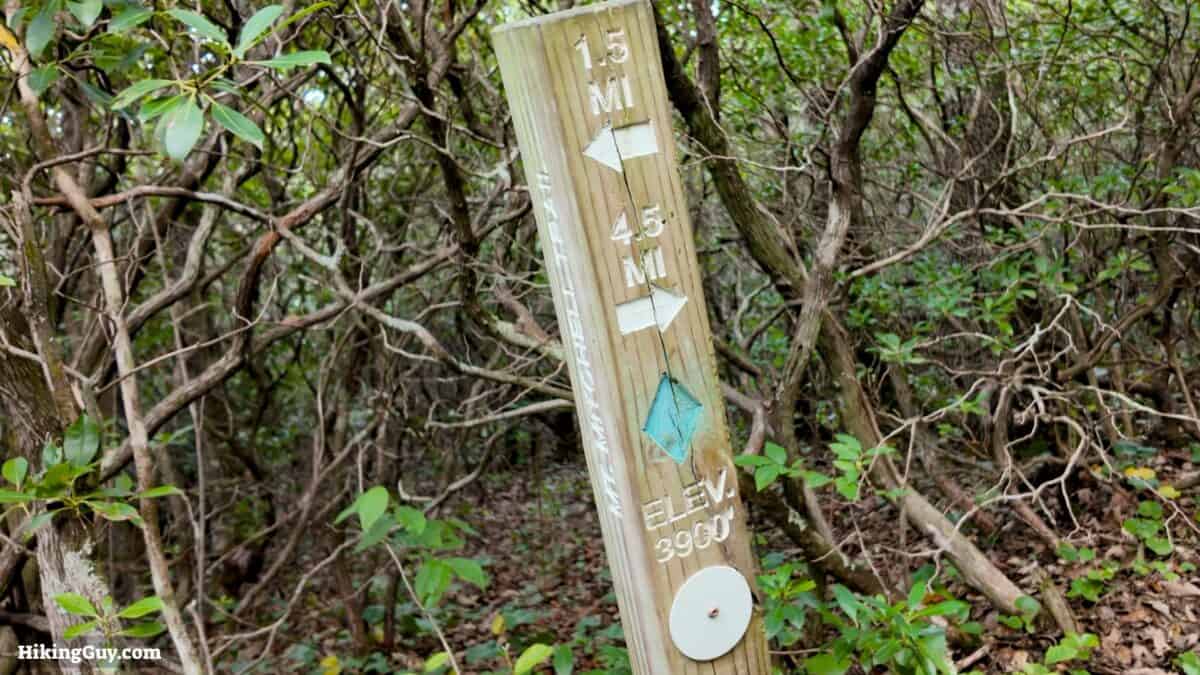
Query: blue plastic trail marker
673,419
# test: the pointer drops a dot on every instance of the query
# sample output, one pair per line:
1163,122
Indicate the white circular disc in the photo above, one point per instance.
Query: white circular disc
711,613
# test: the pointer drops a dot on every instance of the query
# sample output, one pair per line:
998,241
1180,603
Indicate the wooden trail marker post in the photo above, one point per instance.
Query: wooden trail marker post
590,109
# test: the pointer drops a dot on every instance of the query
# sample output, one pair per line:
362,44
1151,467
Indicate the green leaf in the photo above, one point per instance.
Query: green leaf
182,125
373,536
1160,545
74,603
533,656
38,522
82,441
256,26
295,59
303,13
1028,606
86,11
849,602
7,281
469,570
115,511
564,660
1059,653
826,664
13,497
79,629
136,91
15,470
766,475
41,29
437,661
144,630
433,578
160,491
1189,663
412,520
40,80
815,479
775,453
94,94
129,17
51,455
241,126
371,505
147,605
201,25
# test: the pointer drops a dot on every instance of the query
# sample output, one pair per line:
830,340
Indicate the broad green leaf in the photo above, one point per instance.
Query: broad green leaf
534,655
147,605
296,59
303,13
15,470
38,522
815,479
564,660
152,108
256,26
41,29
86,11
82,441
7,281
241,126
826,664
94,94
128,18
469,570
79,629
1059,653
776,453
411,519
437,661
847,601
144,630
13,497
376,534
371,505
182,126
51,455
200,24
1189,662
1160,545
160,491
74,603
433,578
136,91
39,80
765,475
115,511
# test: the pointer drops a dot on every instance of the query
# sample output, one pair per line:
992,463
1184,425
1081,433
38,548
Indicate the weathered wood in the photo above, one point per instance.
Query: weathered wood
590,110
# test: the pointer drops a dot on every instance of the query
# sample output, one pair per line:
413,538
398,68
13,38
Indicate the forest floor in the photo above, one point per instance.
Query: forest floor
549,579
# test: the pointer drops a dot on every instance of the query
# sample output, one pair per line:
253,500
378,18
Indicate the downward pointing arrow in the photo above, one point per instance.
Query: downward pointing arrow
660,307
612,146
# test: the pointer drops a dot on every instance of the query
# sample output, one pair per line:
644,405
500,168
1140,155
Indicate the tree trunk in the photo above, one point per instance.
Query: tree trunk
31,418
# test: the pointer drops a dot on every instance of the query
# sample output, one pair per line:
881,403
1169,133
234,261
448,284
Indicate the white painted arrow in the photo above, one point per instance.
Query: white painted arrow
660,307
612,146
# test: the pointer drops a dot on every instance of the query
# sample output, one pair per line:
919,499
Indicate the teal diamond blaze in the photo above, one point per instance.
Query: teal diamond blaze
673,418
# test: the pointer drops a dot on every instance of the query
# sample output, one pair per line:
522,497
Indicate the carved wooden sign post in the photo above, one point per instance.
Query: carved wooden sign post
590,109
